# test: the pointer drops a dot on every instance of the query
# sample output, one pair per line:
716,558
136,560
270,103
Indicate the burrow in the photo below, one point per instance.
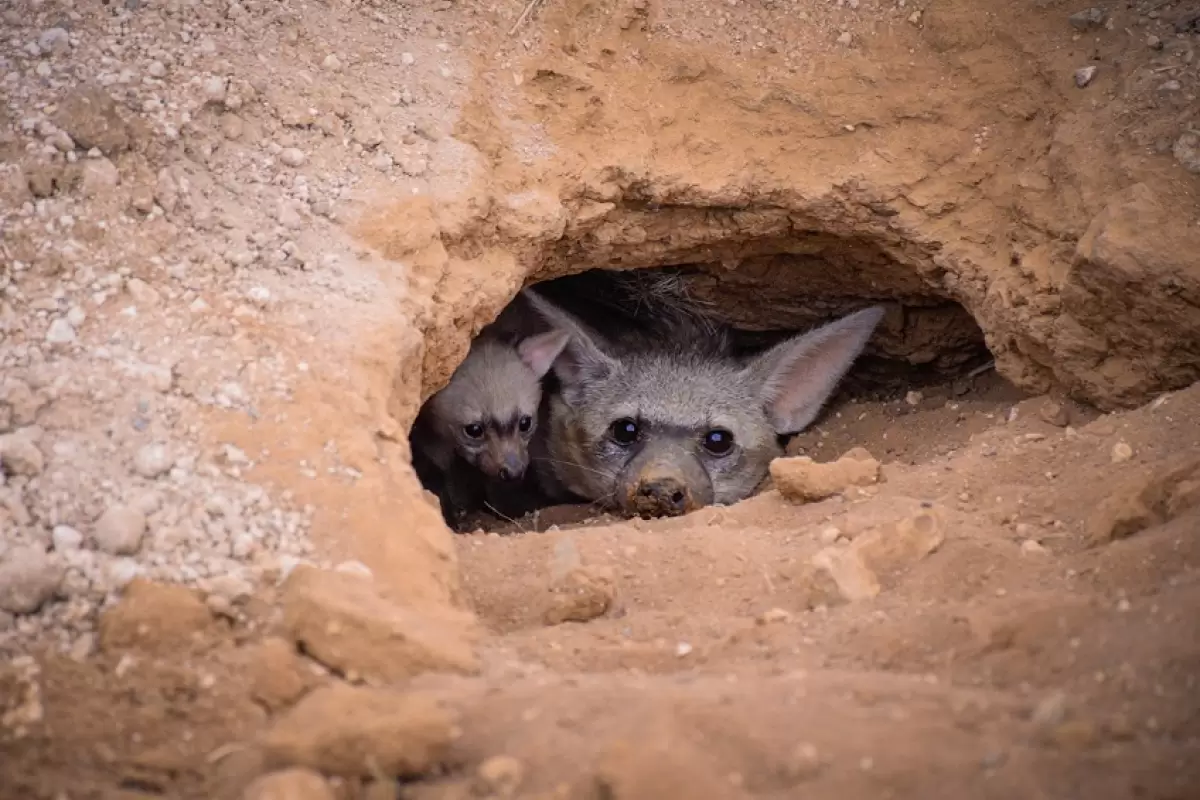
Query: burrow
764,283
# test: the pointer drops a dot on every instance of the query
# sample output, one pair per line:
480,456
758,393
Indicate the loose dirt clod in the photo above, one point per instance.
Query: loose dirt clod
349,731
289,784
1155,495
341,620
29,576
278,675
803,480
581,594
156,618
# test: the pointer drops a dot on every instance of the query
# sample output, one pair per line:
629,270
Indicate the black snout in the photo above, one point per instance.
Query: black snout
663,497
512,469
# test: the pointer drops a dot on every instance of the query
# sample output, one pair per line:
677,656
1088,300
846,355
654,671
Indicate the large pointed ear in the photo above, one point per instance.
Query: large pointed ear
797,376
582,361
538,352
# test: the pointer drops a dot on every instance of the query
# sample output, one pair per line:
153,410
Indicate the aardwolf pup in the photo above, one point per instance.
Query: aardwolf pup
663,428
470,442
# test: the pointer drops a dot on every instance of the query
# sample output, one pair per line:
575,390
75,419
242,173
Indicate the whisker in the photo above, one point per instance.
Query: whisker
601,473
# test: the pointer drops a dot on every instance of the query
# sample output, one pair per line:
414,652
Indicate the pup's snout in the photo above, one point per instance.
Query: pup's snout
512,468
662,497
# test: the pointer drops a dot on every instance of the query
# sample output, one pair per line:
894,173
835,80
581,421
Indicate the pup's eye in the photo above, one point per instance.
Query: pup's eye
473,431
624,431
718,441
525,423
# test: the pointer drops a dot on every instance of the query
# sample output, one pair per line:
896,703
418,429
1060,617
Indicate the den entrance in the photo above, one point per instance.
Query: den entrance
563,398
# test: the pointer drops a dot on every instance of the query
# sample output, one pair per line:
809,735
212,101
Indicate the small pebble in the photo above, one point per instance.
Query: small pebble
774,615
119,530
1121,452
29,576
1084,75
332,62
291,156
156,69
1051,710
1032,547
500,776
60,333
153,460
66,538
54,40
1088,19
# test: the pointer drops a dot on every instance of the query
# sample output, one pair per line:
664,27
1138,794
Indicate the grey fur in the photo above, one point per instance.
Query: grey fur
469,434
678,389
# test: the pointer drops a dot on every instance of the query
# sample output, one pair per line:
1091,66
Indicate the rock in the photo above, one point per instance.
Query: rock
836,575
1084,75
54,40
1187,151
1121,452
19,404
332,62
278,677
91,117
20,455
802,480
142,293
29,577
157,618
499,776
1152,497
157,69
1054,413
341,621
119,530
153,460
581,594
1088,19
214,90
1032,547
60,333
892,550
772,616
803,763
1050,710
291,156
352,731
166,190
1153,42
66,538
232,126
875,559
142,199
289,784
61,142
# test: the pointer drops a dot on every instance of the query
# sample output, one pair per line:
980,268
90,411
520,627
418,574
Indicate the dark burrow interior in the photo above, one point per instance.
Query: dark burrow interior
922,386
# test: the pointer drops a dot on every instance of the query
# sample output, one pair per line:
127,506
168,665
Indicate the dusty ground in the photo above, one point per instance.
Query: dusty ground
242,241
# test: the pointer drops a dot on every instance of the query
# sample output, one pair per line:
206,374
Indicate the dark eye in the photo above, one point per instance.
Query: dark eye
624,431
473,431
718,441
525,423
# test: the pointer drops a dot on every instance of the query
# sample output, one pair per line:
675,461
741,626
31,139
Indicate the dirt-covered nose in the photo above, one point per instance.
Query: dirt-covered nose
662,497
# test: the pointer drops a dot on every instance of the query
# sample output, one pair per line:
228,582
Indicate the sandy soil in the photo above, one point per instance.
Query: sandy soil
242,241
